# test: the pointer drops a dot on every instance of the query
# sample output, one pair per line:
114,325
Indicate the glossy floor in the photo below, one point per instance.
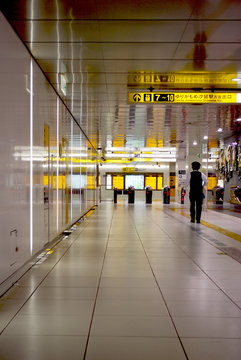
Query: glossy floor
131,282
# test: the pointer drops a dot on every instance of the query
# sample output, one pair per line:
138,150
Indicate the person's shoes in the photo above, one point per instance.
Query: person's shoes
192,221
198,221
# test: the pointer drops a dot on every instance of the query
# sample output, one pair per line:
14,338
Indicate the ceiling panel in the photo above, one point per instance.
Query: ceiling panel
55,31
138,51
143,30
154,9
134,65
50,9
213,31
212,51
72,65
217,9
228,66
96,44
55,50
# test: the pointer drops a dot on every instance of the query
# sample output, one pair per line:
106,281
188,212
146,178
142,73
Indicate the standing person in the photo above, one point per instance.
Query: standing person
196,182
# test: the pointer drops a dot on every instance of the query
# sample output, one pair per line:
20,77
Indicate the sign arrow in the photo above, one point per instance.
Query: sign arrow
137,97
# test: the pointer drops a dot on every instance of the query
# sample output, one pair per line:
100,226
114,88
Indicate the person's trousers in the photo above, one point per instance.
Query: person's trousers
196,202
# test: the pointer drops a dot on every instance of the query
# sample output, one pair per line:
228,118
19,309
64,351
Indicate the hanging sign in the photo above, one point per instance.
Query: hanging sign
181,79
182,97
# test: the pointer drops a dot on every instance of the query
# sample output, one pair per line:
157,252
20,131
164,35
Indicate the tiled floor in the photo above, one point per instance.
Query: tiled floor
133,282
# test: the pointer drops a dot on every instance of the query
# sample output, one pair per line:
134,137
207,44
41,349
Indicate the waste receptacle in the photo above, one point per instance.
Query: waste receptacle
166,195
148,195
235,195
131,195
183,193
217,193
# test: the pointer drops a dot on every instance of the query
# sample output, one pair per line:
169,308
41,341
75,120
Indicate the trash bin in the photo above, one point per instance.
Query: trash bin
131,195
235,195
148,195
183,193
166,195
217,193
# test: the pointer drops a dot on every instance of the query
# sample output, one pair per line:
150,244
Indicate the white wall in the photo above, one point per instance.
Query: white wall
27,98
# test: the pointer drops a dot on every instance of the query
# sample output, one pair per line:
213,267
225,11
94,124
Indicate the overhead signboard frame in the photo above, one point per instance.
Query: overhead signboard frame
142,79
183,97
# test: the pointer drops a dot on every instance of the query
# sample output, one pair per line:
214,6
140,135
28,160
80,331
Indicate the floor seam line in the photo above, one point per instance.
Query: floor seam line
97,292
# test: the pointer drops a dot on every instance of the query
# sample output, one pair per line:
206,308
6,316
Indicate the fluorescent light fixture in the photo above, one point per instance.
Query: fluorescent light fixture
71,169
57,172
220,130
31,157
205,137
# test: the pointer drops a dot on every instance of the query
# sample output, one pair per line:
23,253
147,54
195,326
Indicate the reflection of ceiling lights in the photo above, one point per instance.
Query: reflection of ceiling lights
205,137
194,142
220,130
236,79
238,120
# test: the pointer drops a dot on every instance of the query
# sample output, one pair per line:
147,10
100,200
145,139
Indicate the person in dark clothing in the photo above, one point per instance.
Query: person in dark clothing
196,183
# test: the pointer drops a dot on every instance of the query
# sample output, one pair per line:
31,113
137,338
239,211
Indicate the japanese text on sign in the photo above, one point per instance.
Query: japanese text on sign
182,78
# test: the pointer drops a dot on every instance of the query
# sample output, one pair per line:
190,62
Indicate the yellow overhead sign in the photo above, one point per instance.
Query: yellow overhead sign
128,169
201,78
182,97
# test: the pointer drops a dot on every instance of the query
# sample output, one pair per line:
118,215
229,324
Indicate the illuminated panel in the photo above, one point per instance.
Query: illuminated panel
118,182
182,97
127,169
58,181
160,142
212,143
182,79
135,180
212,182
159,182
90,182
119,141
108,182
150,181
151,142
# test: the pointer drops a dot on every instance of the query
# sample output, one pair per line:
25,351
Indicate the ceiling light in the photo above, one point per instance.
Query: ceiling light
194,142
205,137
220,130
236,79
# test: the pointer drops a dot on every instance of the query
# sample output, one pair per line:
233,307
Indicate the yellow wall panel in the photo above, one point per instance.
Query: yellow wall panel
150,181
118,182
159,182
